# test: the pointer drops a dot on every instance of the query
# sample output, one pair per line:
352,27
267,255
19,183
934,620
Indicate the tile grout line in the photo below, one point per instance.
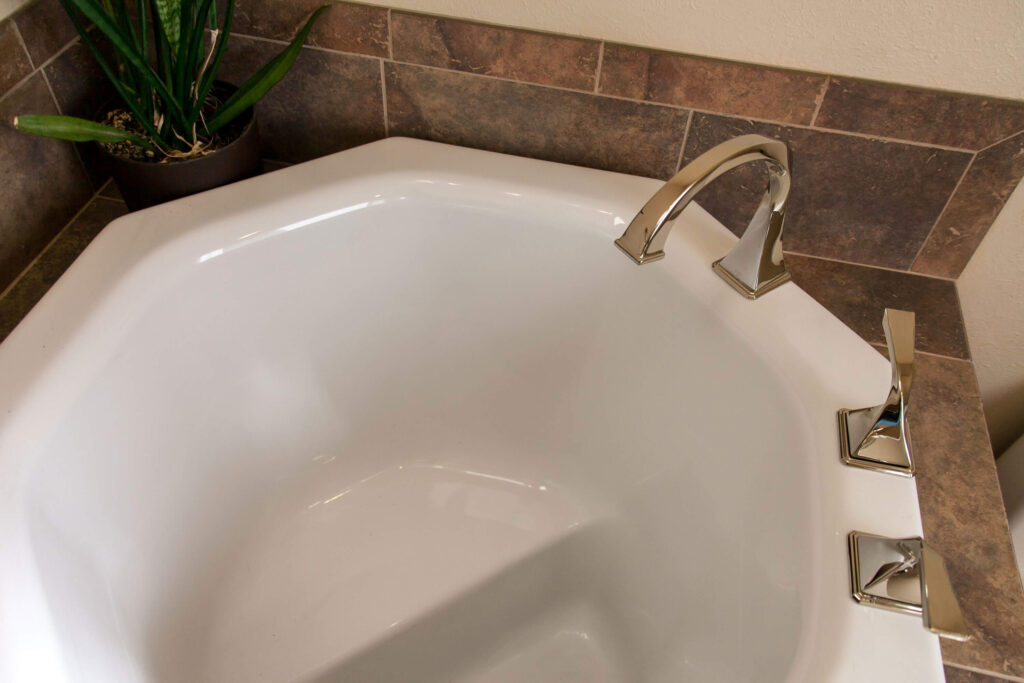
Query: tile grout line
384,99
24,45
17,86
60,52
49,244
38,69
983,672
945,206
696,110
999,142
686,136
820,99
769,67
865,265
600,63
53,95
753,119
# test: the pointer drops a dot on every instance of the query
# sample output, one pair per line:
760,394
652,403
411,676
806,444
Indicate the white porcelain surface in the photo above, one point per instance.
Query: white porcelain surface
405,413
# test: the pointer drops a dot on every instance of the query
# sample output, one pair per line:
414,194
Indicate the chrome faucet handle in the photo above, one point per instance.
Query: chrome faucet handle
755,265
905,575
877,438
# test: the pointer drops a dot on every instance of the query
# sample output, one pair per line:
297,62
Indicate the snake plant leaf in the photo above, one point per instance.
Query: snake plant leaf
170,20
213,65
263,80
75,129
124,47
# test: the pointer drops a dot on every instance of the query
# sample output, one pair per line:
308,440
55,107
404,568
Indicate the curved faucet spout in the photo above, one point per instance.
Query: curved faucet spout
755,265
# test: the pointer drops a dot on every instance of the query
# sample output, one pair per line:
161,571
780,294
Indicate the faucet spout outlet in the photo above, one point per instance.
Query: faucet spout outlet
755,265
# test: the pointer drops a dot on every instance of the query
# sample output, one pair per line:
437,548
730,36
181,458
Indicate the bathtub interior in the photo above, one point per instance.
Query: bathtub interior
425,442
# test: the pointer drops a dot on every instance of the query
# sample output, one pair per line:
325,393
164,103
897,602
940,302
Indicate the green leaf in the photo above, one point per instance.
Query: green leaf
75,129
128,50
170,20
263,80
193,53
118,84
210,72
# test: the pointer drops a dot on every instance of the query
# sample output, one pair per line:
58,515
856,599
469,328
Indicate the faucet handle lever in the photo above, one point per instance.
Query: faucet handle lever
939,607
876,437
899,337
905,575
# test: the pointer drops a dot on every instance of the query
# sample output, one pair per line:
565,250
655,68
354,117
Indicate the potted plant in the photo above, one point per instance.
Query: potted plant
177,129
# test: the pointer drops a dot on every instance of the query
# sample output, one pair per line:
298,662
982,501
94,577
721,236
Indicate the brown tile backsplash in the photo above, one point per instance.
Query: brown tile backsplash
46,29
14,62
347,110
962,514
853,198
31,287
710,84
533,121
78,83
990,180
858,295
42,182
493,51
345,27
897,111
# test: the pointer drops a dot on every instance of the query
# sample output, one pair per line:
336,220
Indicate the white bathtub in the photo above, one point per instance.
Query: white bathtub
405,413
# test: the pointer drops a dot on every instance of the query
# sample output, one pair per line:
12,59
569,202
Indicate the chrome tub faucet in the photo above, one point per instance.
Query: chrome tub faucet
755,265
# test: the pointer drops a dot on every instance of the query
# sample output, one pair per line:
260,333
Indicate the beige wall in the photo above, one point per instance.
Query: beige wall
973,46
992,294
7,7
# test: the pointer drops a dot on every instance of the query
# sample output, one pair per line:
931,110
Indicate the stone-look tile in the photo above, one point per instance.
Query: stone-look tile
899,111
990,180
958,675
82,90
858,295
494,51
46,29
853,199
78,83
348,28
710,84
110,190
14,62
963,516
42,183
38,279
326,103
533,121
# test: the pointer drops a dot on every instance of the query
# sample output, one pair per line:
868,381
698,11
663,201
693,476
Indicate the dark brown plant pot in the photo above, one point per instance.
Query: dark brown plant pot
143,184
